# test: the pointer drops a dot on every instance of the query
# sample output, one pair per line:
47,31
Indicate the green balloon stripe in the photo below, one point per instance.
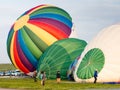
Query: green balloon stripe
39,43
9,42
60,64
48,55
52,9
9,39
36,52
57,56
63,59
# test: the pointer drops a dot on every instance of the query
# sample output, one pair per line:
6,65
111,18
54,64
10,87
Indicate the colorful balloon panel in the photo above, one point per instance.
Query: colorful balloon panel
59,56
33,32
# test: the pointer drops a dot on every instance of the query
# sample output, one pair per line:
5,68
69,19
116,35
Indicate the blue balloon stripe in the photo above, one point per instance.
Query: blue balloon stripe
23,59
26,51
54,16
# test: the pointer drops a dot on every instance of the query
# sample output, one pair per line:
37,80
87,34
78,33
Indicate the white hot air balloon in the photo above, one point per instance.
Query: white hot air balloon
102,53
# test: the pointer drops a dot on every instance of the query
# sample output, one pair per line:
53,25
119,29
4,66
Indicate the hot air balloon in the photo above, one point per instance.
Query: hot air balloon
33,32
72,68
102,53
59,56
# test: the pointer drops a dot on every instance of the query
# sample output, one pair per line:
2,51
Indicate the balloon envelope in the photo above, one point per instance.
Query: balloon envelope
107,41
59,56
94,59
33,32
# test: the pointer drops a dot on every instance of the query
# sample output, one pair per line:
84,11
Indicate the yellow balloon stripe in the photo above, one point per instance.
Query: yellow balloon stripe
21,22
42,34
11,51
46,5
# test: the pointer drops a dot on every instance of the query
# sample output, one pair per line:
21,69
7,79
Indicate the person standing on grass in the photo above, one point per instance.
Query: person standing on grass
58,77
95,75
34,76
43,78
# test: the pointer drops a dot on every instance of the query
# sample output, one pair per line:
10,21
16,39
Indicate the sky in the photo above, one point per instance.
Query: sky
89,17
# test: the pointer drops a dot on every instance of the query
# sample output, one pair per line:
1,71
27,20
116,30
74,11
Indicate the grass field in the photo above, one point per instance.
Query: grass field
6,67
29,84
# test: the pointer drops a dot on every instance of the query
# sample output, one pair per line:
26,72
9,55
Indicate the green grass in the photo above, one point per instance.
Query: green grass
6,67
29,84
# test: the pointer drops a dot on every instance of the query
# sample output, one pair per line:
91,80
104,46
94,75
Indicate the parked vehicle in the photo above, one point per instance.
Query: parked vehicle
1,73
16,73
7,73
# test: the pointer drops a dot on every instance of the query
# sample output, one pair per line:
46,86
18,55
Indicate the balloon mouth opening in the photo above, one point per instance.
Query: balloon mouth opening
21,22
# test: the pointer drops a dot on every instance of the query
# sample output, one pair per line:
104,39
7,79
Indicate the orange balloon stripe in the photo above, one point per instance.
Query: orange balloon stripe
16,56
59,34
11,51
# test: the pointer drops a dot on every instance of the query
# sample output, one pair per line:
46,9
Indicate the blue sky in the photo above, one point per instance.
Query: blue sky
89,16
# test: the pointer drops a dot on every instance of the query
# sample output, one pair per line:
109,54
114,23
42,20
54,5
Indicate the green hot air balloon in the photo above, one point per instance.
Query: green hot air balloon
59,56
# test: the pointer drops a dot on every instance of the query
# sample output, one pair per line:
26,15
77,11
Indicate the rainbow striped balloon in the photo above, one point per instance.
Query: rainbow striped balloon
33,32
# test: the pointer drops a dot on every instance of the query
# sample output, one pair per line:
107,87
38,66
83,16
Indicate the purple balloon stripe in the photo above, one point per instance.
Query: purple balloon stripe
64,28
24,59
